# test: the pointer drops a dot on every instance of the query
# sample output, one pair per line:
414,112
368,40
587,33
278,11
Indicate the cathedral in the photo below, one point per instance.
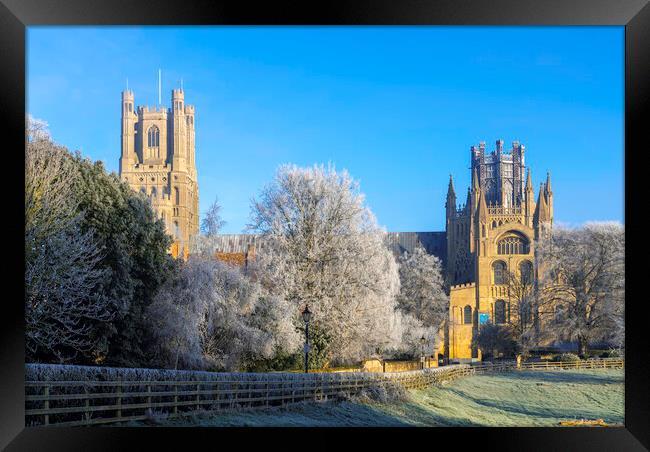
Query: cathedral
487,241
490,240
158,159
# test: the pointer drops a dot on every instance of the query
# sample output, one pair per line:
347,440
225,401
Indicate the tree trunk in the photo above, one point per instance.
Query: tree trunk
582,347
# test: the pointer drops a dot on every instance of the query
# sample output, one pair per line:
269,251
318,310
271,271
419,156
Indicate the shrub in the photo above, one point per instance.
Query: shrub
566,357
495,340
383,392
612,353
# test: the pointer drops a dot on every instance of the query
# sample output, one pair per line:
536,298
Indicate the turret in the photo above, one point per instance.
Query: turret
479,239
450,205
178,100
476,190
499,147
529,199
128,156
482,209
549,195
179,131
541,211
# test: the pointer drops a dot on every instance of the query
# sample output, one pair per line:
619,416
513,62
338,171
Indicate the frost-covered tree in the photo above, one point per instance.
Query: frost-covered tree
213,317
95,257
422,290
62,271
583,277
212,221
322,246
525,307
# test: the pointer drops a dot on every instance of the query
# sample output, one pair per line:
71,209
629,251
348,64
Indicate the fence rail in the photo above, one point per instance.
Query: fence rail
75,403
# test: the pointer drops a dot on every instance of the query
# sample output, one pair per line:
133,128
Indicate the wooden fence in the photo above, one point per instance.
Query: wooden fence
74,403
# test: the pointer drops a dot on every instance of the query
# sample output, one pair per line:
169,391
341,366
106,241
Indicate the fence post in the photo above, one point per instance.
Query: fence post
119,399
149,396
322,384
267,392
87,413
46,404
175,410
198,396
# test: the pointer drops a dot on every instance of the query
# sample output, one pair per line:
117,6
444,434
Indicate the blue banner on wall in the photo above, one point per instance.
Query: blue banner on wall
483,317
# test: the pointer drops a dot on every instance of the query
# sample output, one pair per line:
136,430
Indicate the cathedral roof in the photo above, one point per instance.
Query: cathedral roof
434,243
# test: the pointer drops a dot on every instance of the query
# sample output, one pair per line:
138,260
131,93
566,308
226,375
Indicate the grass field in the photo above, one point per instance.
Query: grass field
525,398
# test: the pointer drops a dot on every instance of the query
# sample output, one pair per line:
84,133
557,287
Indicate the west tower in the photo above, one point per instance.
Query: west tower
158,159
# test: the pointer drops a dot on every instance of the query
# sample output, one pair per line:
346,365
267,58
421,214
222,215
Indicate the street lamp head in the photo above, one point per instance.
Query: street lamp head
422,340
306,314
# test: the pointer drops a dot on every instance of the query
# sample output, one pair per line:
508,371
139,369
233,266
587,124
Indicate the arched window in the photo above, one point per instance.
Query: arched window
526,272
559,313
500,311
154,192
494,225
153,137
499,269
143,190
513,244
467,314
176,196
177,232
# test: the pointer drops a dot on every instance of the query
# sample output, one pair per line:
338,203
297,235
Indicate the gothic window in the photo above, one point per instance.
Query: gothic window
467,314
153,137
177,232
499,269
513,244
176,196
494,225
154,192
500,311
143,190
526,272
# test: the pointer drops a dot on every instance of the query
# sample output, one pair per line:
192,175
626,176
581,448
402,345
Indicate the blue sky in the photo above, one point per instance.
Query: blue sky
398,107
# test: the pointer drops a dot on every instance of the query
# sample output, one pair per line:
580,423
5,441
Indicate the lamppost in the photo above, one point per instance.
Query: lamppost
306,316
422,342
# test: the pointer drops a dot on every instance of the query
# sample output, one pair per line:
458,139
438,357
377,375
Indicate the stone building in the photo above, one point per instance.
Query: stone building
490,242
158,159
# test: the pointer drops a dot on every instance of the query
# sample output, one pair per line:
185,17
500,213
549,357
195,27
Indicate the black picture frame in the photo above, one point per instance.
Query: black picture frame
16,15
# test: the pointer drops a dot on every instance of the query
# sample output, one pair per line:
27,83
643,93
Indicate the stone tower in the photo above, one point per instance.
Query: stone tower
158,159
491,234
